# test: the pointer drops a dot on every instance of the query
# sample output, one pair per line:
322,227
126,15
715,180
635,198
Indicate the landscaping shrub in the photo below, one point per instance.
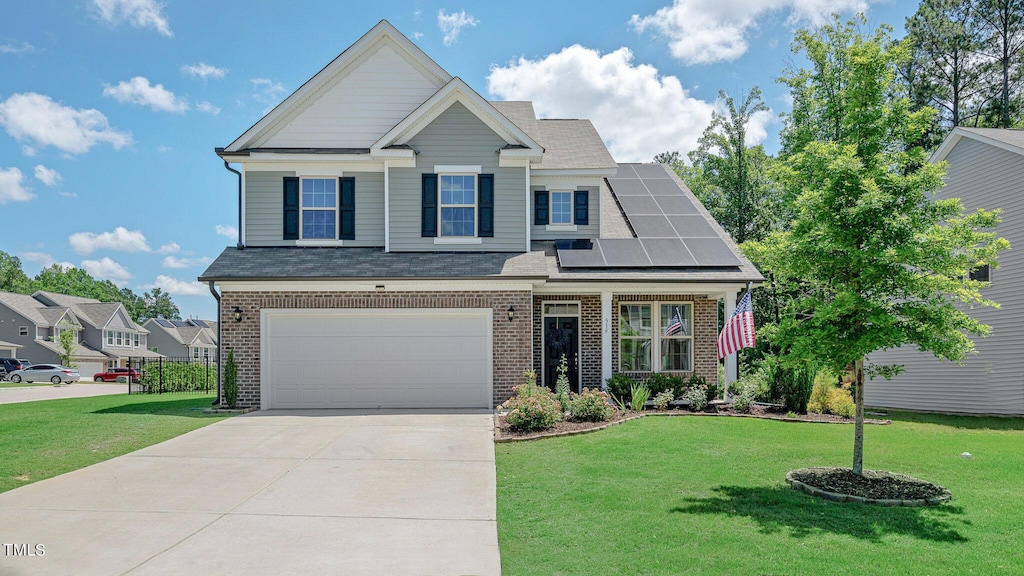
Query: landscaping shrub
826,398
790,387
639,395
562,384
590,406
620,386
660,382
231,380
697,398
744,394
662,399
818,402
532,408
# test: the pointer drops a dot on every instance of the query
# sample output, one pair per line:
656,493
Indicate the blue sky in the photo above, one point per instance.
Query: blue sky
110,109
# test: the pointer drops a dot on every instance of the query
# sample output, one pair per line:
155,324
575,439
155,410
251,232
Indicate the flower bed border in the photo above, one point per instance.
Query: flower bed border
838,497
671,413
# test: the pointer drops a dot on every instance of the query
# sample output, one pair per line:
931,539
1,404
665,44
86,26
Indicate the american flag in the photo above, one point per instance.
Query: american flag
739,329
675,325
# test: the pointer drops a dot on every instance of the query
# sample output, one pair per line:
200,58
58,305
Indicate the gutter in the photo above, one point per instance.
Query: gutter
239,245
220,357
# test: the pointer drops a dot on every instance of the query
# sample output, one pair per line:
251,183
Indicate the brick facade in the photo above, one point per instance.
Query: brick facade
590,337
512,341
705,331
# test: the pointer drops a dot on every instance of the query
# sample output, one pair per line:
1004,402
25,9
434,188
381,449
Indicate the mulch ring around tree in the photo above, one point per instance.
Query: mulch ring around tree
504,433
874,487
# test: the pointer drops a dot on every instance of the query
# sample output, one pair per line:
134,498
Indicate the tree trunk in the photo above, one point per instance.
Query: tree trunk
858,430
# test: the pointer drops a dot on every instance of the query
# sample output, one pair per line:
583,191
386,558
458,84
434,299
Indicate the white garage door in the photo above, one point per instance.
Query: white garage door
372,358
87,369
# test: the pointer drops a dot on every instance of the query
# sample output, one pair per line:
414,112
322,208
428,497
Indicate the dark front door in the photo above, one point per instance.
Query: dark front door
560,338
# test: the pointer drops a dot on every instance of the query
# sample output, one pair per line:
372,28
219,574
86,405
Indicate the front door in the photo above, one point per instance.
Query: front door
561,338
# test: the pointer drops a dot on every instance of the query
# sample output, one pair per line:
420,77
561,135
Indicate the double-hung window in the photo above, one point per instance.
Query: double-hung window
662,328
458,204
136,340
120,338
561,208
319,210
110,337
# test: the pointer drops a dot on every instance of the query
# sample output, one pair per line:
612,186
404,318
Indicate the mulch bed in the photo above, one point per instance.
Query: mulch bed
875,486
504,433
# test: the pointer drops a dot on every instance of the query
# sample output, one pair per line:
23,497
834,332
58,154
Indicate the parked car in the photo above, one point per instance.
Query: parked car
112,374
42,372
8,365
25,362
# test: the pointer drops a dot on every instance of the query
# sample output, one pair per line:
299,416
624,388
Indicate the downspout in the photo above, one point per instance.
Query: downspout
239,245
220,357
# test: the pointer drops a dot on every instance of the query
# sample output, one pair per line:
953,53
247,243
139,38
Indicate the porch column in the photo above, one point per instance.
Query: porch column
730,360
606,338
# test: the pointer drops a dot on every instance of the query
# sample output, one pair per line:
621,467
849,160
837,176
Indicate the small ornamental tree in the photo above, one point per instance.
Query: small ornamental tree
874,261
66,339
231,380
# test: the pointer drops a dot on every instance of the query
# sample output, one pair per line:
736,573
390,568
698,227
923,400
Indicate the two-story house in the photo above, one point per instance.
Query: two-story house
192,338
35,327
405,242
106,326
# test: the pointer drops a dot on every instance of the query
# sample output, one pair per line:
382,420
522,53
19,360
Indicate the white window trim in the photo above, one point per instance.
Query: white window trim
302,211
454,170
561,228
475,238
579,337
567,226
22,330
656,335
458,240
317,242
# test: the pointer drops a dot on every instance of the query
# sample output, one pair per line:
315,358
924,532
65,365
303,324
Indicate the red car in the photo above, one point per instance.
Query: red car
112,374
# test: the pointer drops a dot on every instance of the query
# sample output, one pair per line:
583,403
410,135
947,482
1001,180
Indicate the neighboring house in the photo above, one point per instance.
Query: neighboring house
192,338
106,336
985,170
406,243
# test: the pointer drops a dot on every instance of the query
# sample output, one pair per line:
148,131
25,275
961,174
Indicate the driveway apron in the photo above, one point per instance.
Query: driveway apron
276,492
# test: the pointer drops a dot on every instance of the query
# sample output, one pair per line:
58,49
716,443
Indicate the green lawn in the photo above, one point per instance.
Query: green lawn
43,439
693,495
8,384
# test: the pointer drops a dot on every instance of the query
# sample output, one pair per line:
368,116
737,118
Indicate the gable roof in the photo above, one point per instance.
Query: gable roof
569,144
310,90
455,91
1007,139
97,314
34,310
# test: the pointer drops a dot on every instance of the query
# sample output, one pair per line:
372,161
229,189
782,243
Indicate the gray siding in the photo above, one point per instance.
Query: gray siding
592,230
991,381
457,137
31,350
264,209
165,343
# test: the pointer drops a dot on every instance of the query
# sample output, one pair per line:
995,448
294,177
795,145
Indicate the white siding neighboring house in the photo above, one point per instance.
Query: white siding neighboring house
986,170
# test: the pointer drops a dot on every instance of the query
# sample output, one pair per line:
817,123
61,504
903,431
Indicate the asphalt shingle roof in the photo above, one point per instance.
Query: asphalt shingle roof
25,305
568,144
1004,135
353,263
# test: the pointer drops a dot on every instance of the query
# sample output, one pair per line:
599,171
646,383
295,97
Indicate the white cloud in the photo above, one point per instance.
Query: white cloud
121,240
226,231
140,13
47,176
267,92
68,194
15,48
203,71
452,24
708,31
417,35
11,189
35,117
171,248
107,269
208,108
638,112
139,91
162,149
44,260
175,262
178,287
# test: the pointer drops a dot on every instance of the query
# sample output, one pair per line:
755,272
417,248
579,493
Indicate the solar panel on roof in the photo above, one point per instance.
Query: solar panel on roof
675,205
652,227
694,226
626,171
712,252
662,187
624,252
651,171
164,323
668,252
639,205
628,187
198,322
580,258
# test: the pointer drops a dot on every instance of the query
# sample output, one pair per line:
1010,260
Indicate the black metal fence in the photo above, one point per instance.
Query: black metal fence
159,375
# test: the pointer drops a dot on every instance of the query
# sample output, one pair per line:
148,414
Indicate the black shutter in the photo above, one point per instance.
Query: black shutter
428,213
540,207
347,208
485,205
582,207
291,208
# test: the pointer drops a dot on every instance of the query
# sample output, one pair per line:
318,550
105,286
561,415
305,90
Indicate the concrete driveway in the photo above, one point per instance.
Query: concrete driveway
50,392
310,492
